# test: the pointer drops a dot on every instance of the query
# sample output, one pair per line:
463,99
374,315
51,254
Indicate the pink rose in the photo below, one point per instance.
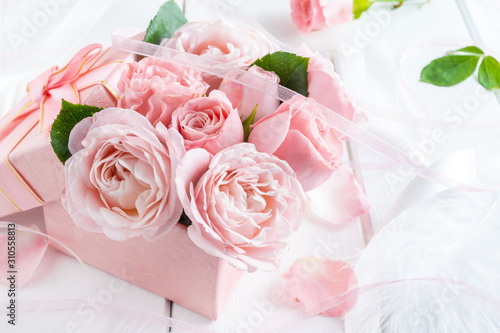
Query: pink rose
209,122
243,204
222,41
293,134
120,181
326,87
155,88
311,15
245,98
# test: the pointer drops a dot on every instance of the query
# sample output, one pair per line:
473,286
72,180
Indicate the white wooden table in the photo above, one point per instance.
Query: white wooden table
377,57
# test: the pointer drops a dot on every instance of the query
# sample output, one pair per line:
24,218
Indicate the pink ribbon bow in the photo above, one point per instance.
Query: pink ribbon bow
52,86
45,93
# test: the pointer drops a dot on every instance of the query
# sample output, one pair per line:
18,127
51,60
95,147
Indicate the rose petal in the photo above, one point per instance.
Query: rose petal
207,246
29,247
230,134
305,160
326,87
238,45
209,122
78,133
191,167
313,280
233,90
245,99
268,133
155,88
340,199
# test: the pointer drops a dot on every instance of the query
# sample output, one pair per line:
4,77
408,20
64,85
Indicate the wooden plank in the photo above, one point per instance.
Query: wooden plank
481,17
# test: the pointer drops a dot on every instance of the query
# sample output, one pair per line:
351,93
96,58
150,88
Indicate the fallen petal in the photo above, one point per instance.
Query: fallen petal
313,280
340,199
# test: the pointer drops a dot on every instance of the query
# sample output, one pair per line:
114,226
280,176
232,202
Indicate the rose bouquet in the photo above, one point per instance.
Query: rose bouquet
230,162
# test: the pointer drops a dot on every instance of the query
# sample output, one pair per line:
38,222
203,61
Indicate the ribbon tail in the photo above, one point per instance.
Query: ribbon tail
421,188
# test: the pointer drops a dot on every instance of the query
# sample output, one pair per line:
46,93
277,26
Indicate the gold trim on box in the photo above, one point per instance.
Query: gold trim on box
104,83
17,114
14,170
12,202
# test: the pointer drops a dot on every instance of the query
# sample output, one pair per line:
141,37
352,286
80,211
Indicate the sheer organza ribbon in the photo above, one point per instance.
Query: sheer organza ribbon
40,107
121,40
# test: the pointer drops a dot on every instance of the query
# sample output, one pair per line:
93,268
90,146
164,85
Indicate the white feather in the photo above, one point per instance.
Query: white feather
452,238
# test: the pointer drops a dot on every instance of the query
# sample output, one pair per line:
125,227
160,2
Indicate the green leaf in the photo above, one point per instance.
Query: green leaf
360,6
470,50
168,19
489,73
249,122
290,68
70,115
449,70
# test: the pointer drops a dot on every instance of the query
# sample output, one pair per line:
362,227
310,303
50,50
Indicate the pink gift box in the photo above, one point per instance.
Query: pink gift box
33,158
171,266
